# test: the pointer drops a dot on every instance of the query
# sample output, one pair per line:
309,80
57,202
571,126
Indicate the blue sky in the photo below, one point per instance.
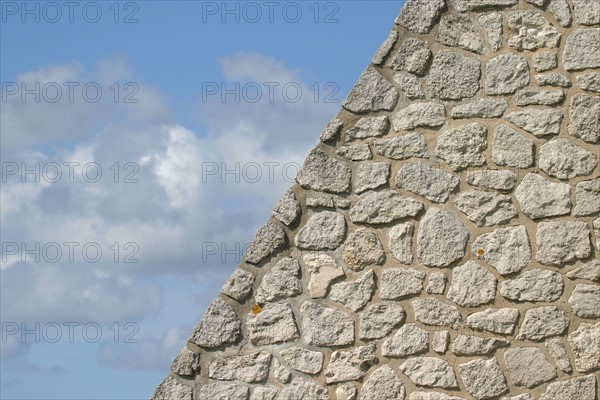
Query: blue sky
198,170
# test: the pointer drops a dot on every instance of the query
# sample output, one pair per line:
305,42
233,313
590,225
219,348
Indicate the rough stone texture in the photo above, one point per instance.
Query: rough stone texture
563,159
486,208
323,172
534,285
222,391
302,389
408,340
581,388
362,248
587,12
324,230
171,389
506,73
268,240
486,107
238,285
187,363
557,349
350,365
553,79
510,148
418,16
582,50
544,61
585,343
506,249
280,372
332,130
528,366
440,342
400,242
437,283
303,360
280,282
442,238
371,175
596,224
492,25
539,197
371,93
275,323
540,323
483,378
537,97
530,31
432,396
562,242
589,271
401,147
471,5
383,207
492,179
329,301
419,115
539,122
589,81
432,183
220,325
434,312
471,285
378,320
288,209
409,84
355,152
323,270
250,368
459,31
368,127
584,117
320,200
383,384
561,12
385,48
585,301
399,282
473,345
412,56
587,195
354,295
453,76
501,321
346,391
463,147
430,372
263,393
324,326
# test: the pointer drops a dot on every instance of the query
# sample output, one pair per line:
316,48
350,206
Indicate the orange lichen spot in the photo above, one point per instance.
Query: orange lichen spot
256,309
480,252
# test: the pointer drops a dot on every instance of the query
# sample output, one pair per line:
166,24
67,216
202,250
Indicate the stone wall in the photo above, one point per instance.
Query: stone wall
439,244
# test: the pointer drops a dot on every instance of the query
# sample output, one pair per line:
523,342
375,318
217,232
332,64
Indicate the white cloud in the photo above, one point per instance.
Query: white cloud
175,209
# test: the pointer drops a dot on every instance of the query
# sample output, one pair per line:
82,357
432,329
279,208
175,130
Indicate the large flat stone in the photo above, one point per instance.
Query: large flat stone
442,238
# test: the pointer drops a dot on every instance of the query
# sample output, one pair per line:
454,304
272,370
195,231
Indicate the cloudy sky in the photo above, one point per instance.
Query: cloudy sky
143,144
